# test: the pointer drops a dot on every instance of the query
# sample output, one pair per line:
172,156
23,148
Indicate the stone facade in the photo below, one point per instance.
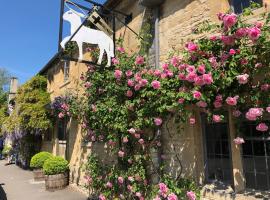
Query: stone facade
178,19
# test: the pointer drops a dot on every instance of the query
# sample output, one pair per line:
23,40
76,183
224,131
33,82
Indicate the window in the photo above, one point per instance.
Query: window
62,129
217,152
256,157
48,135
239,5
66,70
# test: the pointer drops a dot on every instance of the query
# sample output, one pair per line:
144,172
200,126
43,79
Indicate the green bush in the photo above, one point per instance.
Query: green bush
6,150
37,161
55,165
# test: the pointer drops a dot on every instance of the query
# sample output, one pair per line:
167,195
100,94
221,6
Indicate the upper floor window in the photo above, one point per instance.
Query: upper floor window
66,70
240,5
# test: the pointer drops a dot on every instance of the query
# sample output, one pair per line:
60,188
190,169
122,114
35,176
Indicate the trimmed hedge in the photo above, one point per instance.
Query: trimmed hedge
55,165
37,161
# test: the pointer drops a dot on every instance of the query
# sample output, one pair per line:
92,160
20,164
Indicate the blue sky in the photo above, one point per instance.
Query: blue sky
28,35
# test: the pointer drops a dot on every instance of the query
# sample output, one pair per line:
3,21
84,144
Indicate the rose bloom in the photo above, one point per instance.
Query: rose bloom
201,69
262,127
208,79
121,49
121,154
197,95
141,141
181,100
191,47
87,84
139,60
132,131
232,52
229,20
157,198
102,197
182,76
143,82
157,72
120,180
227,40
115,61
158,121
213,38
192,120
174,61
268,109
216,118
125,140
137,87
241,32
201,104
61,115
191,77
254,33
129,73
242,79
118,74
137,135
190,69
191,195
265,87
232,101
236,113
130,83
130,178
109,185
163,189
165,66
239,141
199,81
172,196
129,93
155,84
217,104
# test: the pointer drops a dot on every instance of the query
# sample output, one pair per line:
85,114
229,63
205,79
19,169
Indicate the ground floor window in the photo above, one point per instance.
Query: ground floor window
217,152
256,157
62,129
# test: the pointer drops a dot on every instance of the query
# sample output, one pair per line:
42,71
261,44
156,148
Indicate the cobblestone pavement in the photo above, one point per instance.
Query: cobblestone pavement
18,184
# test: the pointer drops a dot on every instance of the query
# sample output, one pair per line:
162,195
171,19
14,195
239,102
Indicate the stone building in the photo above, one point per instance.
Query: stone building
207,152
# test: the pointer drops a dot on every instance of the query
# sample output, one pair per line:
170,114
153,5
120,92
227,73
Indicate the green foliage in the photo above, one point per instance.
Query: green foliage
38,160
55,165
6,150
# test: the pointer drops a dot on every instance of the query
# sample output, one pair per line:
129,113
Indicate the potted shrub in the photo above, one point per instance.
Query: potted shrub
37,162
56,170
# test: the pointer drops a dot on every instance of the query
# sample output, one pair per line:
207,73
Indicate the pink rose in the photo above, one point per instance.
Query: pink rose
216,118
131,179
130,83
191,47
239,141
232,101
208,79
190,69
181,100
141,141
138,194
165,66
102,197
125,140
182,76
129,73
236,113
157,72
132,131
254,33
61,115
121,49
129,93
265,87
158,121
120,180
191,195
227,40
139,60
241,32
199,81
87,84
191,77
118,74
115,61
121,154
172,196
242,79
143,82
174,61
109,185
268,109
217,104
213,38
163,189
155,84
197,95
229,20
201,104
201,69
192,120
232,52
262,127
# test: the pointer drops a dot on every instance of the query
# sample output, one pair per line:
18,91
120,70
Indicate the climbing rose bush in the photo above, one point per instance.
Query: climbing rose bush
126,104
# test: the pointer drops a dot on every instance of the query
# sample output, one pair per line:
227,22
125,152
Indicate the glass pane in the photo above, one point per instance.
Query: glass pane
225,147
260,164
258,148
261,181
248,164
250,180
268,148
247,148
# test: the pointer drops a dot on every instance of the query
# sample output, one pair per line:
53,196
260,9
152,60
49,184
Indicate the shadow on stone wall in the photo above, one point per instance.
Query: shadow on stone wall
3,195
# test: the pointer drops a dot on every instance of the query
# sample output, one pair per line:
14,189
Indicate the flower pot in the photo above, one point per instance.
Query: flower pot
56,182
38,175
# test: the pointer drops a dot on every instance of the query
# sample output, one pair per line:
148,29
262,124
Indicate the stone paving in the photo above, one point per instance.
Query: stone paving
18,184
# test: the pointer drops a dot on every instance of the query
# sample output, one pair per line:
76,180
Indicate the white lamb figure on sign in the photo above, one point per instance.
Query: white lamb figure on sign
88,35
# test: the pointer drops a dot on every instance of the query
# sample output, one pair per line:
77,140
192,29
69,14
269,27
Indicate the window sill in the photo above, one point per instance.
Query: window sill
64,84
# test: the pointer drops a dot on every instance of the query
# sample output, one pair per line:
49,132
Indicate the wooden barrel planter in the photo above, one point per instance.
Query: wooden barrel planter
56,182
38,175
